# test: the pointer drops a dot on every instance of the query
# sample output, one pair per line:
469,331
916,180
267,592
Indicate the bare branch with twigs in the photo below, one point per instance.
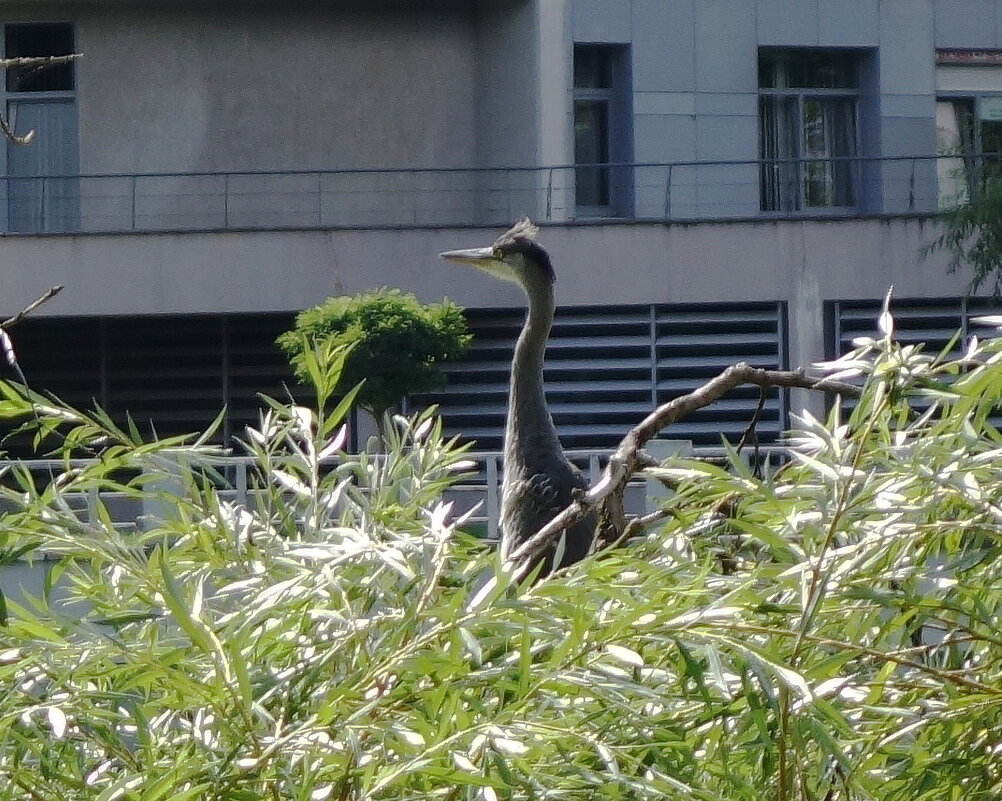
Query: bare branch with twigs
607,493
45,297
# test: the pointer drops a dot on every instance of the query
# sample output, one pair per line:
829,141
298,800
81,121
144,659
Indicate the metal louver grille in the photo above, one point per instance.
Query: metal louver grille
607,367
698,342
929,321
172,374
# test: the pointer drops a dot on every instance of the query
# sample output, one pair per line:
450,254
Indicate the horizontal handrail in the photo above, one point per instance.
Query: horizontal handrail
404,197
505,169
481,493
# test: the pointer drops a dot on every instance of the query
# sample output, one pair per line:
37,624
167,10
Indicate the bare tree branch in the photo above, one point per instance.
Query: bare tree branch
44,298
608,493
38,61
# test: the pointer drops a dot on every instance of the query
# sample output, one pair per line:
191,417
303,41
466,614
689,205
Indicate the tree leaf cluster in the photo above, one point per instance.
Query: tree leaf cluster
827,631
396,343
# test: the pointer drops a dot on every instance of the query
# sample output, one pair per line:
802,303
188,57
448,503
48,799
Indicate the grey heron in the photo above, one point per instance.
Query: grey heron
538,480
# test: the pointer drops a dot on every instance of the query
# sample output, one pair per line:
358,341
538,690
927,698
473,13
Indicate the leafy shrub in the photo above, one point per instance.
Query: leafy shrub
397,343
828,631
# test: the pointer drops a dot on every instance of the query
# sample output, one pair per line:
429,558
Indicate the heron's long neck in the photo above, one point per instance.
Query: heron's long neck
530,431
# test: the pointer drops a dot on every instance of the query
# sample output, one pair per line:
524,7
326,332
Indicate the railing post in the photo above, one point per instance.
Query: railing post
493,504
507,183
320,198
549,196
241,483
668,193
226,200
93,499
134,179
911,189
44,221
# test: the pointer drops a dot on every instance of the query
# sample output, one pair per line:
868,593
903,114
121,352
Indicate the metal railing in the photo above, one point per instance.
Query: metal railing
480,493
404,197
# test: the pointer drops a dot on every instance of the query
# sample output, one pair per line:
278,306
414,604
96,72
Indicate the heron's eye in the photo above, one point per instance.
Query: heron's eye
497,254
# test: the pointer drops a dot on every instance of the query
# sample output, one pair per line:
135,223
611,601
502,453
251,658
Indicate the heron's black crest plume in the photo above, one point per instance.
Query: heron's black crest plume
521,238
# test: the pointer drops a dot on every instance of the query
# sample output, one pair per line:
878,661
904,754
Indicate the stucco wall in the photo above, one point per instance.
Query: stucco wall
179,87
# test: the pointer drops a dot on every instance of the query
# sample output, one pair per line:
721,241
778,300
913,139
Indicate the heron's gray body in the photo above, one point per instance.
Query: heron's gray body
538,480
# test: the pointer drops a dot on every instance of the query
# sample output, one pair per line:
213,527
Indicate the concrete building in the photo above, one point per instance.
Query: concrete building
717,180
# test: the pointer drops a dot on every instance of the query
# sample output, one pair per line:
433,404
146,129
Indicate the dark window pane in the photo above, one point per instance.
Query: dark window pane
829,142
808,140
25,39
779,132
591,146
807,69
592,67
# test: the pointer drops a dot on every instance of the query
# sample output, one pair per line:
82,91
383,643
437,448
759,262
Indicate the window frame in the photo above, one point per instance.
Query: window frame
975,160
10,99
616,171
801,95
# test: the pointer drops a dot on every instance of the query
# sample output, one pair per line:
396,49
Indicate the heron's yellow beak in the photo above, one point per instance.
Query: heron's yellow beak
482,259
475,257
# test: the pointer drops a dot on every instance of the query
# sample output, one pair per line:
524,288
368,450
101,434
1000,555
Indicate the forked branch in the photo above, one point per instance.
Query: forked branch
607,493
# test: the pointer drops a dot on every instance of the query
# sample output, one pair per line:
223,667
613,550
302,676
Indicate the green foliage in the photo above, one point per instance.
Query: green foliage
829,631
396,344
972,235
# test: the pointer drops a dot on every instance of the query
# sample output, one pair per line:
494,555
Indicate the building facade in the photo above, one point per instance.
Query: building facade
716,180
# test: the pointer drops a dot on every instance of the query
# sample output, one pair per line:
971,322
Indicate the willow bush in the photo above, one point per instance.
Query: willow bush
829,631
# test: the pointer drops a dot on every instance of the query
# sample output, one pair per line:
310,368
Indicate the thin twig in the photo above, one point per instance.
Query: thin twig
751,431
8,130
45,298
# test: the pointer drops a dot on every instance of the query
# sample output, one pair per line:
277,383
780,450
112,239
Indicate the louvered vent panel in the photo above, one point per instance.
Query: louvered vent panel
256,366
61,356
932,322
696,343
472,403
166,372
606,368
170,373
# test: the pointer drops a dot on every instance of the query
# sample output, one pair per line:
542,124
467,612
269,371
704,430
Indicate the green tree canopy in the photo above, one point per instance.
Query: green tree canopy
396,343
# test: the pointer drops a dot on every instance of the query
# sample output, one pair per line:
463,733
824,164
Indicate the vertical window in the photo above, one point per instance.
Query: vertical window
601,138
808,103
956,144
969,145
43,190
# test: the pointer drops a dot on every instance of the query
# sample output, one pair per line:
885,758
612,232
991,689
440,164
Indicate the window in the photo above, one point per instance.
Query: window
808,103
968,143
601,140
43,192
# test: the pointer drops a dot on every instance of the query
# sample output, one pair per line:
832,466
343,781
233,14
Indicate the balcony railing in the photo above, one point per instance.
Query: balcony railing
366,198
479,495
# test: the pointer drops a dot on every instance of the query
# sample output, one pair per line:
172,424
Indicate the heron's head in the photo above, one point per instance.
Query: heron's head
514,256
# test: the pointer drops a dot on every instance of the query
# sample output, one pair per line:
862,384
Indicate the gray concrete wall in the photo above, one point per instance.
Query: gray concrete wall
186,87
179,87
803,263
